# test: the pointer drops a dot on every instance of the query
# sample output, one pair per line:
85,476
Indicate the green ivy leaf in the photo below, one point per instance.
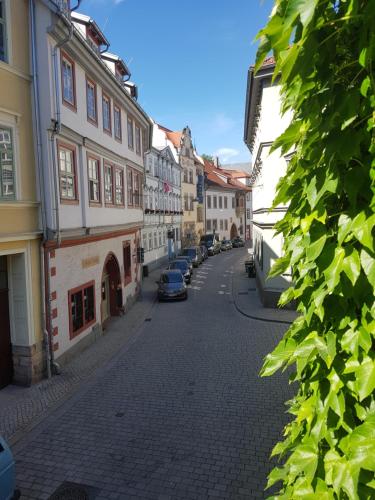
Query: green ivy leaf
365,378
359,446
303,8
279,267
332,273
344,227
362,228
304,459
368,265
280,356
351,266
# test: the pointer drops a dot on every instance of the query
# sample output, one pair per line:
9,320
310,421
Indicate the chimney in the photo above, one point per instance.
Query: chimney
216,162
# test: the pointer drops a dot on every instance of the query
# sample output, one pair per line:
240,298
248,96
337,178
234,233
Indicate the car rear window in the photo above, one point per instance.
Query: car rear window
179,264
171,278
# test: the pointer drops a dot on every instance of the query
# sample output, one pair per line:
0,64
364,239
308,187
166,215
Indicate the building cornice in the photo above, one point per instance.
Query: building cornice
12,205
15,71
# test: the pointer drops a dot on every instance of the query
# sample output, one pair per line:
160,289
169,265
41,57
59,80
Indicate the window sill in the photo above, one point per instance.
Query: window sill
93,122
72,107
64,201
73,335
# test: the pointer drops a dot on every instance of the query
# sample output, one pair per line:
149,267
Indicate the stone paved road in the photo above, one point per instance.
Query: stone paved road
179,413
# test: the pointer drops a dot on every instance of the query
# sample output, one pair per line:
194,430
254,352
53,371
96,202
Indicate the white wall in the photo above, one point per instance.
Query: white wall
72,259
228,214
267,245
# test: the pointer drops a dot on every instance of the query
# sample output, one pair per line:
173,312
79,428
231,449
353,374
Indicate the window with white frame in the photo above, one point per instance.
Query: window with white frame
93,167
3,33
68,80
220,202
225,202
67,172
144,241
208,201
92,112
7,180
214,201
117,122
221,225
191,203
107,123
138,145
160,239
108,183
226,224
150,241
155,240
119,186
208,225
130,133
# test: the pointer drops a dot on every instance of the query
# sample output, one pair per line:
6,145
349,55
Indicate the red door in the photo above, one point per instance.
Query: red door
6,361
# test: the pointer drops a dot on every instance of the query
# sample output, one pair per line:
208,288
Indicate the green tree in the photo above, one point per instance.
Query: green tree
325,60
208,157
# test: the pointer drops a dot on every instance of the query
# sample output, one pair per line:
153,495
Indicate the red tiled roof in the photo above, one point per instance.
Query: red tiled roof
213,174
173,136
237,174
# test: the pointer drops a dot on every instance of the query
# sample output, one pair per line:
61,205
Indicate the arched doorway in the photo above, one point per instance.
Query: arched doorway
233,231
111,290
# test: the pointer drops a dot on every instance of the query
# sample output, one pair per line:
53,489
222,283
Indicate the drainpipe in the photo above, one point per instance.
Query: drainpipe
40,183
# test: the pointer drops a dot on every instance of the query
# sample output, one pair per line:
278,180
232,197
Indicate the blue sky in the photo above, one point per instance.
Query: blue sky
190,61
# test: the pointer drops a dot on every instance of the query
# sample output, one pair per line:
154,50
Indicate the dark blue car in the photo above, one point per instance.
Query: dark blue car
172,286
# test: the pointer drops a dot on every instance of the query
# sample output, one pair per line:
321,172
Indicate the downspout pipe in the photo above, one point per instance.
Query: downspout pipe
40,185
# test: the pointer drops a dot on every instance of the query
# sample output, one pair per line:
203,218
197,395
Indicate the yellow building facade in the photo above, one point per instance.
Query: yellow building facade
22,358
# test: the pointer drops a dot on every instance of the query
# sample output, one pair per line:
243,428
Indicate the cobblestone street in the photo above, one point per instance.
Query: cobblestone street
179,412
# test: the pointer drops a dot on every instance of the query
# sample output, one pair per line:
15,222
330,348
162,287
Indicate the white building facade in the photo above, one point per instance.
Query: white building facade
225,200
93,138
263,124
161,235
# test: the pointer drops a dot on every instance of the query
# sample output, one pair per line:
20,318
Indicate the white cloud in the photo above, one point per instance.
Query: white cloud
226,154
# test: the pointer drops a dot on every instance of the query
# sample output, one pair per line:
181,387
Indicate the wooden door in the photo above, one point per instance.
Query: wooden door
6,361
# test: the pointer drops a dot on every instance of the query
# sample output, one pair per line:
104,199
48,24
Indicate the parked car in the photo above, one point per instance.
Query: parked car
187,259
238,242
7,473
172,286
204,252
183,266
223,246
195,254
226,245
212,243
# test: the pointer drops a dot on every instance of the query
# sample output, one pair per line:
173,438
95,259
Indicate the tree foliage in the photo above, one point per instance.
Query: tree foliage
325,59
208,157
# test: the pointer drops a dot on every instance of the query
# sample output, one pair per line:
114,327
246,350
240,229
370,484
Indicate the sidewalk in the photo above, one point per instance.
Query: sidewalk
247,302
21,408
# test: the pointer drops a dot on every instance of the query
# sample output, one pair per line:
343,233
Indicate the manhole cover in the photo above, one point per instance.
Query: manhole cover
242,293
74,491
148,319
251,289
